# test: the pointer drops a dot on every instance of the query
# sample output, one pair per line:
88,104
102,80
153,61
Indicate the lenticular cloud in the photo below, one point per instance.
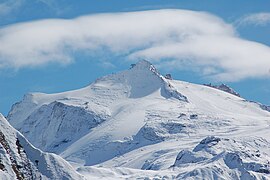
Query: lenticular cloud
175,38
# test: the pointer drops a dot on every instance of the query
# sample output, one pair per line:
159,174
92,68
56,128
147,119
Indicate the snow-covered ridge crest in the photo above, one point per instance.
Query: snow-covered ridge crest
262,106
144,64
225,88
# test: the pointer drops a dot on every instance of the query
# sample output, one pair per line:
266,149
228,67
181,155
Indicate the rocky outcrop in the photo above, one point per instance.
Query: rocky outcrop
225,88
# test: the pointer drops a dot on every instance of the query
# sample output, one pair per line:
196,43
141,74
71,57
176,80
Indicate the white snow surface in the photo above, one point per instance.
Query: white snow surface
137,124
20,160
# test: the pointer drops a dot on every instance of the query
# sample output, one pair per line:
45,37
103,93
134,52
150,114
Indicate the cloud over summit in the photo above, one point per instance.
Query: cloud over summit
180,38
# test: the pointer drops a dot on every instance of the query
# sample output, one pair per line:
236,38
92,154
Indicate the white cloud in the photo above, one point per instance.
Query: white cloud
172,38
258,19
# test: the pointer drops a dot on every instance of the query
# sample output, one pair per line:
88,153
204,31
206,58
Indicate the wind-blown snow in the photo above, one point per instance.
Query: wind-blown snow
138,124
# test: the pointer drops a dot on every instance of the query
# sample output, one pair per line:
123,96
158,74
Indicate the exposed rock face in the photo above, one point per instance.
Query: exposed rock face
225,88
20,160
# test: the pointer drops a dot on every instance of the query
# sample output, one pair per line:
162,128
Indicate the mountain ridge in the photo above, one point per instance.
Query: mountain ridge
139,120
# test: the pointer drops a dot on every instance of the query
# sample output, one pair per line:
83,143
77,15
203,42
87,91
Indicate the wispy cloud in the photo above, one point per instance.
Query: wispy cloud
15,8
171,38
8,6
55,6
258,19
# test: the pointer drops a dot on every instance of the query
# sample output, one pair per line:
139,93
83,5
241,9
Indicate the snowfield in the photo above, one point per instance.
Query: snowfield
137,124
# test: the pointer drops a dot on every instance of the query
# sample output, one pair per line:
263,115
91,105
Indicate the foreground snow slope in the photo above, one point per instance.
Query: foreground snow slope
20,160
139,120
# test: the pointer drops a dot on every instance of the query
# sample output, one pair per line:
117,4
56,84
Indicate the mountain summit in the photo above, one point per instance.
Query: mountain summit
128,123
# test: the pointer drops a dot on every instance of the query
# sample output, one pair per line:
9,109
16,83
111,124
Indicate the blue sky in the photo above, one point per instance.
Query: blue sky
43,46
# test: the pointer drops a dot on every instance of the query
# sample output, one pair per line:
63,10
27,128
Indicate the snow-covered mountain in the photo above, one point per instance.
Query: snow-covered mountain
20,160
137,124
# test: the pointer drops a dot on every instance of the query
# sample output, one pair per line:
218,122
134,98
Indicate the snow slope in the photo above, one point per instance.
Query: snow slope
136,122
20,160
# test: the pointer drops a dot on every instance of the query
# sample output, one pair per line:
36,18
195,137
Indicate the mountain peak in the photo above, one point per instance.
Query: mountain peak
144,65
139,119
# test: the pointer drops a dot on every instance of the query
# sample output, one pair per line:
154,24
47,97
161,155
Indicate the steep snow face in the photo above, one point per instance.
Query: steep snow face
139,121
66,124
20,160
